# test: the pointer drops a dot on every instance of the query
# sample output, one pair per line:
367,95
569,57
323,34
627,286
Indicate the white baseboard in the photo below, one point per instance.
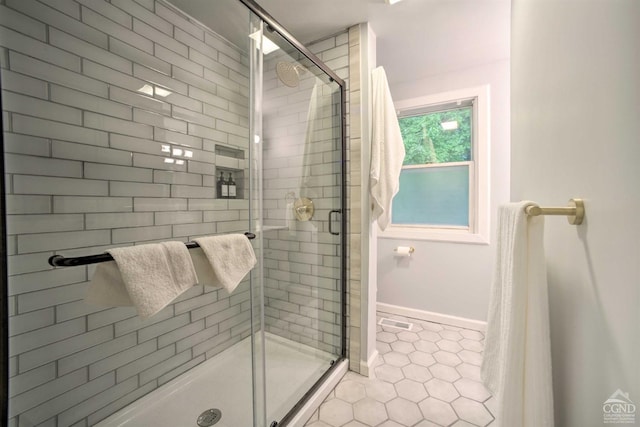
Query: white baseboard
430,316
366,368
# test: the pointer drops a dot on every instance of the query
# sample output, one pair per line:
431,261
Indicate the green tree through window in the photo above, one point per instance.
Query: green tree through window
426,141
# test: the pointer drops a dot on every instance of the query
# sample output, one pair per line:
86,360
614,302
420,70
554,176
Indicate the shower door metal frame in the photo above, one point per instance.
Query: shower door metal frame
273,25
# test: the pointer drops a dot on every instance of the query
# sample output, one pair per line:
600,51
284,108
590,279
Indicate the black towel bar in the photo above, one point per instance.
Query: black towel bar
60,261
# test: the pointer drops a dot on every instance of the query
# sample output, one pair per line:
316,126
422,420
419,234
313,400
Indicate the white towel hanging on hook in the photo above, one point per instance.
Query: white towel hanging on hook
387,150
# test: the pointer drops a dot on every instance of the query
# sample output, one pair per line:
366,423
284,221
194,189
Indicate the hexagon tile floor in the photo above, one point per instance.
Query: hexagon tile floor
426,377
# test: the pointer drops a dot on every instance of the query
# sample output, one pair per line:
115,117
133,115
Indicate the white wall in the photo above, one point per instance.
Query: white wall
575,133
441,277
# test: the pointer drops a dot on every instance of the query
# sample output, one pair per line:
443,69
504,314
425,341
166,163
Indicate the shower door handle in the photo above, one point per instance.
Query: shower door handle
332,211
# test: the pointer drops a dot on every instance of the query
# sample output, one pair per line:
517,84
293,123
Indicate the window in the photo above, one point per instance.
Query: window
444,180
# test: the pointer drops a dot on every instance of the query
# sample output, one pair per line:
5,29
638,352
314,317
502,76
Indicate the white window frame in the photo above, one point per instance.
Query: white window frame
478,230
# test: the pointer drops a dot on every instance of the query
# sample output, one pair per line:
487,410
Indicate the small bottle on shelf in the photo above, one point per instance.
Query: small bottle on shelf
232,187
223,187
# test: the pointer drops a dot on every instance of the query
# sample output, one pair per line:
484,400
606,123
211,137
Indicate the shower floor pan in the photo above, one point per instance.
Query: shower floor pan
224,383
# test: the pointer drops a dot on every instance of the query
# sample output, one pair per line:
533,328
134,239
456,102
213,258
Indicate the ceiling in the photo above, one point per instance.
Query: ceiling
415,38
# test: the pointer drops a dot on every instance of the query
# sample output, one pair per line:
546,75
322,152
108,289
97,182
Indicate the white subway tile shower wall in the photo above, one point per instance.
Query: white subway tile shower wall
302,262
86,172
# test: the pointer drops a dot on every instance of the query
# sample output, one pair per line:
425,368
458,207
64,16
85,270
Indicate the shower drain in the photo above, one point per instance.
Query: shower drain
209,417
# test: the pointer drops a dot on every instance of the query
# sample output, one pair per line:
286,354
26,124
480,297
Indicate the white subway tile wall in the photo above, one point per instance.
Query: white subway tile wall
86,172
302,140
354,223
93,91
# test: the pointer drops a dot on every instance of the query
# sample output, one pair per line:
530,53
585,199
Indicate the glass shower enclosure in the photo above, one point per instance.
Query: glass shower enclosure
136,122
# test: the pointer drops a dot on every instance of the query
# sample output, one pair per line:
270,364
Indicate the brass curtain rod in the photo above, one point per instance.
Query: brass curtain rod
574,212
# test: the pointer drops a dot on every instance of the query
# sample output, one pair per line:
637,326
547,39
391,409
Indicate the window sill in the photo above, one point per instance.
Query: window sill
436,235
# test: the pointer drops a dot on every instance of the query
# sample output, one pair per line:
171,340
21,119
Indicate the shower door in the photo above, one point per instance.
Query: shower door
297,207
122,123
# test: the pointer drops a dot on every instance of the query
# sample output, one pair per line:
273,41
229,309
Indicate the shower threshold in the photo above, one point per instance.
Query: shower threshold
224,382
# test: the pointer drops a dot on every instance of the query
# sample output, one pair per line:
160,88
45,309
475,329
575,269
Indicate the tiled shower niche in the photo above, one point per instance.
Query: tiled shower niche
232,163
112,114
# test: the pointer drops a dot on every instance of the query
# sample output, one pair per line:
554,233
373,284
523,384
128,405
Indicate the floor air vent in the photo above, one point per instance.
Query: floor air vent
395,324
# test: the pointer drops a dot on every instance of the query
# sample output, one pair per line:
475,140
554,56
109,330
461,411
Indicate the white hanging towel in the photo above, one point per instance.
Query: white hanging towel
230,258
387,149
148,277
517,357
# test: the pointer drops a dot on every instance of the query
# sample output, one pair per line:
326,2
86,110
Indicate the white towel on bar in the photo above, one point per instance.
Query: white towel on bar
230,257
387,149
148,277
516,366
